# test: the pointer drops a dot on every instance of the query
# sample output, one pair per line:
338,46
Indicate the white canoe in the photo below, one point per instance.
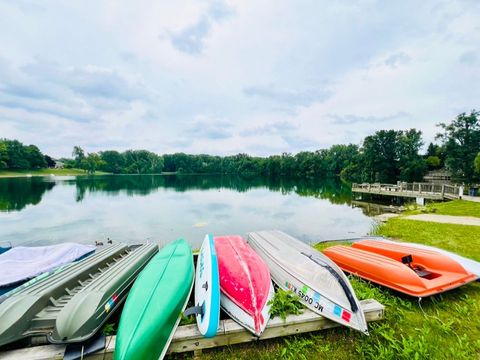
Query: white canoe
319,282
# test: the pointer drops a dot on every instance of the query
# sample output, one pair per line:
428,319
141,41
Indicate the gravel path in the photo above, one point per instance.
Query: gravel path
446,219
471,198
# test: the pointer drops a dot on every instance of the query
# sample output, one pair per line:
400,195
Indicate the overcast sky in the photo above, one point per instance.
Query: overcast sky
220,77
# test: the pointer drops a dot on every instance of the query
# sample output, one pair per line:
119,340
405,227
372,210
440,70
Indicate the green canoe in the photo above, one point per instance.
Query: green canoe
154,305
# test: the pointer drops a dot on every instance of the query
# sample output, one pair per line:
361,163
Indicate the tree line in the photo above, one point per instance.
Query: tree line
16,156
385,156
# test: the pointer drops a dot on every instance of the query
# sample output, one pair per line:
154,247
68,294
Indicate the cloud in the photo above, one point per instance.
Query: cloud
213,130
397,59
75,93
288,97
191,39
329,72
469,58
299,143
350,119
270,129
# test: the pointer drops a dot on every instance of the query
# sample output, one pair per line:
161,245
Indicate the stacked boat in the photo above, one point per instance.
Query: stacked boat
71,303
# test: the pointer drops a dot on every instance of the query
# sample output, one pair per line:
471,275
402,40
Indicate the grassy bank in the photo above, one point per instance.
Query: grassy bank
45,172
456,208
440,327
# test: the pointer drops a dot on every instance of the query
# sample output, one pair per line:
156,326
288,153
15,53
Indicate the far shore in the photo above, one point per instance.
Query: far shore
46,172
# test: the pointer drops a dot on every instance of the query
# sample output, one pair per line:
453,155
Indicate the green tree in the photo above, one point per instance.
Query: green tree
461,139
380,157
79,155
91,163
433,162
143,162
411,165
477,164
16,155
114,162
34,156
50,162
3,155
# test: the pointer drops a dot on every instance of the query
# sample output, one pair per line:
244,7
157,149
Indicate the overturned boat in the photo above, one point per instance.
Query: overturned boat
320,284
22,263
72,303
469,264
245,283
407,269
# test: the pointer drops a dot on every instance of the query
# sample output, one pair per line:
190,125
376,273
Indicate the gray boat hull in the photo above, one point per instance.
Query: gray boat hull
320,284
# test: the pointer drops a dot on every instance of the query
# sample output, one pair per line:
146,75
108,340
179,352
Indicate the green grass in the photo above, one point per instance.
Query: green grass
463,239
456,207
46,172
445,326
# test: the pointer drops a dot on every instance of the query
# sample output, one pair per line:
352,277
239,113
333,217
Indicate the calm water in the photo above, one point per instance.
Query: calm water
130,208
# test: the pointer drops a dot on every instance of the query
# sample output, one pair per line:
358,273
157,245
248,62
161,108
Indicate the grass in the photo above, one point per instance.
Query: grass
456,207
285,303
445,326
46,172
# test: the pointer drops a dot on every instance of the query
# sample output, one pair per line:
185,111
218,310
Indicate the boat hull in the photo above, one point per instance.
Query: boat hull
154,305
468,264
429,273
245,283
295,266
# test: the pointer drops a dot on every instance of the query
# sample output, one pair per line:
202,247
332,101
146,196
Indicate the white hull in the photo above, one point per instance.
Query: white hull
242,317
320,284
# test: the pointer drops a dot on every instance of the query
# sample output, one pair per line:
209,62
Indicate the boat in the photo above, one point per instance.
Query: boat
154,306
468,264
5,246
72,303
319,283
207,290
245,283
407,269
22,263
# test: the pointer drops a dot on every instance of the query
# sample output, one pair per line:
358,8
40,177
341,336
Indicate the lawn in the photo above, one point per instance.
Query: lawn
456,207
445,326
45,172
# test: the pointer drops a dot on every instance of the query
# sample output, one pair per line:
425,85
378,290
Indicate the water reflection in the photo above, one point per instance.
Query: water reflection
161,208
17,193
331,189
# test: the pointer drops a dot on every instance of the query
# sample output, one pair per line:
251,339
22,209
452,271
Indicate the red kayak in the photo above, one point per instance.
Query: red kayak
245,283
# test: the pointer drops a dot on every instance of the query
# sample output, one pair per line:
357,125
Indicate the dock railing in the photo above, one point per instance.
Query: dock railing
416,189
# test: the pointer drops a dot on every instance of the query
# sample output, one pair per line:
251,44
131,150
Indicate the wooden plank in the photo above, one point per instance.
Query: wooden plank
188,338
44,352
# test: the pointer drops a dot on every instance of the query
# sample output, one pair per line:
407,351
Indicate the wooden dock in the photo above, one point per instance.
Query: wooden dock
410,190
187,337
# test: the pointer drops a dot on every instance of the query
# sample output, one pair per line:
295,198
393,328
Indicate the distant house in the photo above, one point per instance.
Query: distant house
59,164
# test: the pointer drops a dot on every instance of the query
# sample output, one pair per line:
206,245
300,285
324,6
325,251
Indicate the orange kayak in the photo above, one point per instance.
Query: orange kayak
407,269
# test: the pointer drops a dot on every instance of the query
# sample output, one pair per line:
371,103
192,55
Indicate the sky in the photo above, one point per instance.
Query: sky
224,77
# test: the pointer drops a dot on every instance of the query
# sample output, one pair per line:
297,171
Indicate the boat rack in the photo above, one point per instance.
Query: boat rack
187,338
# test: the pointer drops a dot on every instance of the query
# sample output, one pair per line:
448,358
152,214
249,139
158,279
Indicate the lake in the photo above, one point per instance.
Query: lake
161,208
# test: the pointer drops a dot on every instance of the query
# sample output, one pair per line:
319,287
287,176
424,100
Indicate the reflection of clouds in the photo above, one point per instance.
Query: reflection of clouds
217,206
223,216
283,215
164,216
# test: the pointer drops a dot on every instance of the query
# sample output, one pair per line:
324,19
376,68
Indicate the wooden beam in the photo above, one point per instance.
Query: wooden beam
188,338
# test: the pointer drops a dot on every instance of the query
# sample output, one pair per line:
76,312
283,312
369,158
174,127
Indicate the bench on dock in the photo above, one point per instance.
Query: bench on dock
188,338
